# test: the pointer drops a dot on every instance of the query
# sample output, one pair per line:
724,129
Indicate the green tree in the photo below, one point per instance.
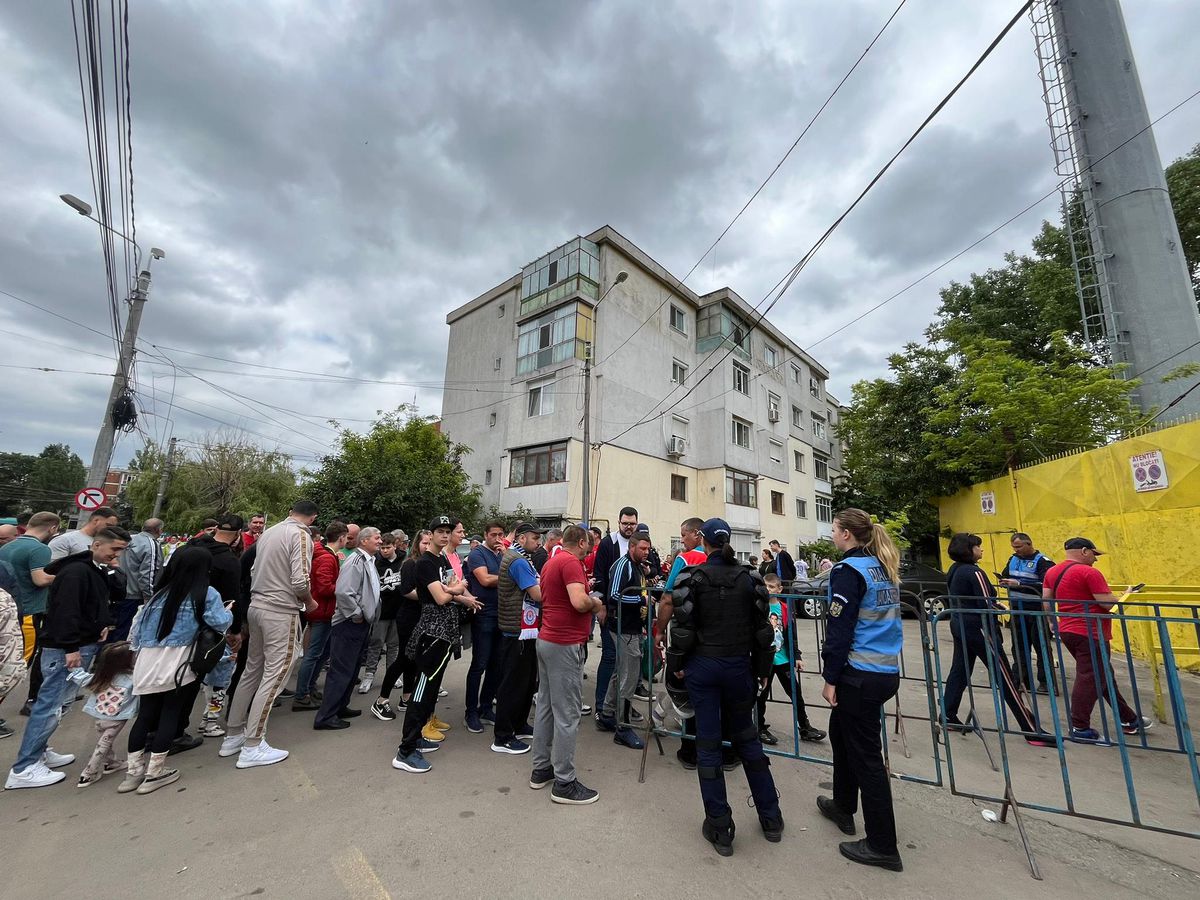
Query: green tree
1183,183
15,469
54,478
495,514
401,473
224,473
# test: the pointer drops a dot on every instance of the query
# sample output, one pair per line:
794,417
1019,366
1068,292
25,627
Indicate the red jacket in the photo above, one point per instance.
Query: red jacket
323,579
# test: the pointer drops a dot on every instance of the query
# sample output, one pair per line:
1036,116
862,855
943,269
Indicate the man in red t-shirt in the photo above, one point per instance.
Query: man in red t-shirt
1080,595
567,610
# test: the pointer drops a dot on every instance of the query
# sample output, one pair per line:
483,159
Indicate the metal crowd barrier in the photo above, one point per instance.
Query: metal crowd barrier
1115,670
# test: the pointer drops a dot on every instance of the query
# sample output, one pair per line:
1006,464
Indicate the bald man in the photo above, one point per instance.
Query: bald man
8,533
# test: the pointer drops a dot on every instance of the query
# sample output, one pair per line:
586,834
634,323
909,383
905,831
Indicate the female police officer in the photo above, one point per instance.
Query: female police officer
721,644
862,672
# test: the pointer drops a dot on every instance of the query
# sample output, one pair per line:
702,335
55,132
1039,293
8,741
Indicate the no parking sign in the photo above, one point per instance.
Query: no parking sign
1149,471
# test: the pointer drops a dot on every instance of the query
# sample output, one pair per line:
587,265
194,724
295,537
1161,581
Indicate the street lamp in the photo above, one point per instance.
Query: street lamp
587,401
85,209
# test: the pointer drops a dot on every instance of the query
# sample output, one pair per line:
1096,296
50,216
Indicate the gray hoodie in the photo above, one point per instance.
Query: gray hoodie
357,590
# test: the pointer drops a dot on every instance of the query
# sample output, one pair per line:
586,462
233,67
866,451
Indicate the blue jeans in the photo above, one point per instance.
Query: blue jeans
310,667
608,663
53,700
485,664
722,692
222,672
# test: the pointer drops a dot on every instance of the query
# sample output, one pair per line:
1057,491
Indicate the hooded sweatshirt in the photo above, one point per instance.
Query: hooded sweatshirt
226,574
77,611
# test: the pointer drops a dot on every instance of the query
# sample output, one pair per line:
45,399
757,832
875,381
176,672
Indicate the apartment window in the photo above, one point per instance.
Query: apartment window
741,379
797,417
772,406
740,433
678,372
718,322
541,398
796,373
500,312
491,420
679,427
824,509
777,451
770,356
487,477
821,466
814,388
740,489
798,460
678,319
818,426
555,337
538,465
679,488
496,364
777,503
801,508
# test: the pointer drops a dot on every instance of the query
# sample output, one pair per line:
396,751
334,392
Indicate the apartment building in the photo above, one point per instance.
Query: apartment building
753,441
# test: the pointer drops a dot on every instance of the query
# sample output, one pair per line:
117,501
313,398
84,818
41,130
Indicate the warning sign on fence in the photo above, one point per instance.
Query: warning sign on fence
1149,471
987,503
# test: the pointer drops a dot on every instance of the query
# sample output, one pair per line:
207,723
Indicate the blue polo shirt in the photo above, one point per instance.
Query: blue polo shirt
482,557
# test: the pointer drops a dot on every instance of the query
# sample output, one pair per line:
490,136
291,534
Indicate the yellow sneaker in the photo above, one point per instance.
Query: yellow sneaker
439,724
431,734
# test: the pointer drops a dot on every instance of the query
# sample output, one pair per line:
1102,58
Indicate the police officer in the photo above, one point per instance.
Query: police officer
863,641
1023,577
720,643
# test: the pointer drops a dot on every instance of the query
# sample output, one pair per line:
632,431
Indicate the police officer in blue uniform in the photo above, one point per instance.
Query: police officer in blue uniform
1023,577
721,644
861,658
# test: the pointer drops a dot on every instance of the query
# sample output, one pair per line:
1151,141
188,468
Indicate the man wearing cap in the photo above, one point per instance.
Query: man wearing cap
518,615
435,639
721,642
1078,593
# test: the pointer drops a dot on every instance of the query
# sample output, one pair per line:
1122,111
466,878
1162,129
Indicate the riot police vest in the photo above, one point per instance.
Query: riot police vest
723,599
878,634
1025,571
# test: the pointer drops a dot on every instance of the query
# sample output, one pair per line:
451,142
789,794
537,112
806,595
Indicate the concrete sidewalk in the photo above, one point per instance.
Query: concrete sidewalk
335,820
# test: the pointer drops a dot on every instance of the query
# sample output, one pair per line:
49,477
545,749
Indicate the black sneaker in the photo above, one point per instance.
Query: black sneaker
184,742
382,710
772,829
573,793
721,837
541,777
305,704
287,693
767,738
810,734
25,709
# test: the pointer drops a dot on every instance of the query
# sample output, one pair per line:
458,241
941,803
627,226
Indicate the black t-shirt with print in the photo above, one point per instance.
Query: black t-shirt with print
437,621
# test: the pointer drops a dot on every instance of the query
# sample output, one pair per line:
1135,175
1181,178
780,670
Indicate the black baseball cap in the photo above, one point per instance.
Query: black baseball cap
442,522
1082,543
230,522
526,528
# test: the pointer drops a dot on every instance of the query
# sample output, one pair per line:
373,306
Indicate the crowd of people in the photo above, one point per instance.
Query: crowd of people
140,631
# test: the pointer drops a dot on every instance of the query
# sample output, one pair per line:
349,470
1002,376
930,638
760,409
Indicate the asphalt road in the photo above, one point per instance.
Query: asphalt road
335,820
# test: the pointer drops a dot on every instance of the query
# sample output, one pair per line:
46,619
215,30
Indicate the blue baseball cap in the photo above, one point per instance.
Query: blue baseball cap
715,532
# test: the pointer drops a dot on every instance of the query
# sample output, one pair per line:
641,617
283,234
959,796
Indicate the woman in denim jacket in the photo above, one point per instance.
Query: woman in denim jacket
162,634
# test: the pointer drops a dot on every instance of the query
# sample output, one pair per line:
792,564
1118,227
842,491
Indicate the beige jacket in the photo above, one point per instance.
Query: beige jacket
279,580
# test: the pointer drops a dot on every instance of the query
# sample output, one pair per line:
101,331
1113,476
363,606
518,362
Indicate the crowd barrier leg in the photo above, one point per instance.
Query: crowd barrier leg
1179,707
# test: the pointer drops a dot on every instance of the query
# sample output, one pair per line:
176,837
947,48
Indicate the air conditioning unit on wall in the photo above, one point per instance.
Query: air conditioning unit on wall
772,415
676,446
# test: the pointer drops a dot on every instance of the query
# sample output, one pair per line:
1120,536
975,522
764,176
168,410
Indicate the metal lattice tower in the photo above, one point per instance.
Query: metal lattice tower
1135,293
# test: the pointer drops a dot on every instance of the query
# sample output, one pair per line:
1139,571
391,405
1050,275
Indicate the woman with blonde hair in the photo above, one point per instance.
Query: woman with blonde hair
861,656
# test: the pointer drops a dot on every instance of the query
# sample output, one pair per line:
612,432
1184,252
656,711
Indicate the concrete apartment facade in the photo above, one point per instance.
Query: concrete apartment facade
753,442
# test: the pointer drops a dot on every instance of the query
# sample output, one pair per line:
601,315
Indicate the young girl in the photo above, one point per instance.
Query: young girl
112,703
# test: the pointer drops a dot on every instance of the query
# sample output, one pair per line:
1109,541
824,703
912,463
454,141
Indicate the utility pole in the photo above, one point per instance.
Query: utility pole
1132,278
102,454
165,480
589,352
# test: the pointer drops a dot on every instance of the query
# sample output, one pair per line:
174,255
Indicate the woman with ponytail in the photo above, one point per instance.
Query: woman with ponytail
861,657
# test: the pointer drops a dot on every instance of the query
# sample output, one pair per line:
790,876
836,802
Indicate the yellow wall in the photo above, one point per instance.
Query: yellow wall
1147,537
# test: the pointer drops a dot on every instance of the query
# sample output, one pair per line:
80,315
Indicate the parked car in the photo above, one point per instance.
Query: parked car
921,587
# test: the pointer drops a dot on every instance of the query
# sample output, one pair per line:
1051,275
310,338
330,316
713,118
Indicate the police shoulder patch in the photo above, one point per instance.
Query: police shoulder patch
835,608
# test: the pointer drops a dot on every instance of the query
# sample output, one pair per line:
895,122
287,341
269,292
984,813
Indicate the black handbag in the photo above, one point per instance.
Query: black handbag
207,648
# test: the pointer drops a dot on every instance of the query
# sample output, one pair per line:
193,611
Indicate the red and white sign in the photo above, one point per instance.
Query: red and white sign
90,498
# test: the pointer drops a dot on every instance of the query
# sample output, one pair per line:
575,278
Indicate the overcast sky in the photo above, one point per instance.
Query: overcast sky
329,179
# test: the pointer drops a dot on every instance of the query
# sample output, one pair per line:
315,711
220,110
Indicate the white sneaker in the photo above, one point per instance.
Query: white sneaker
211,728
57,760
364,686
35,776
262,755
443,692
232,745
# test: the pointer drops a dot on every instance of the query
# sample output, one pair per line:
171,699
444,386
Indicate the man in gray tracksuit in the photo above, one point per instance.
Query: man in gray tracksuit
357,594
141,562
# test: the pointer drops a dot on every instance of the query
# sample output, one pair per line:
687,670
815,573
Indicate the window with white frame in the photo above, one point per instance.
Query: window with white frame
741,379
740,432
770,356
801,508
797,417
797,375
776,451
678,319
541,398
814,387
679,427
740,489
772,406
824,509
777,503
678,372
798,460
818,426
821,466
